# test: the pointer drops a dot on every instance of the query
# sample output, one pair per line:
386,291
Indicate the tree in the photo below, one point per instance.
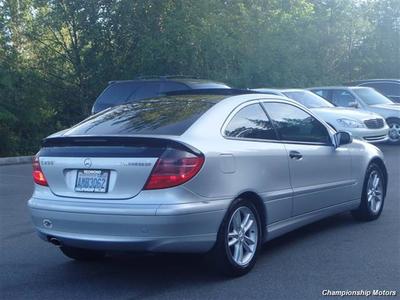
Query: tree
56,56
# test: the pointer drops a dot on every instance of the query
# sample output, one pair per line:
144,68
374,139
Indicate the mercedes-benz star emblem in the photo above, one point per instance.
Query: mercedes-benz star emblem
87,163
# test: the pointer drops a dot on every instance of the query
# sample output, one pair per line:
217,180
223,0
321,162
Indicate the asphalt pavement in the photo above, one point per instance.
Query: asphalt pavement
337,253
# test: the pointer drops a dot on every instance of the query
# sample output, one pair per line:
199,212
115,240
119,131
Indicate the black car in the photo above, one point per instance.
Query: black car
388,87
119,92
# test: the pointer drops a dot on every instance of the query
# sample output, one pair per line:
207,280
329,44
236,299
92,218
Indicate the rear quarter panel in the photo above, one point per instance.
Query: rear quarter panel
233,167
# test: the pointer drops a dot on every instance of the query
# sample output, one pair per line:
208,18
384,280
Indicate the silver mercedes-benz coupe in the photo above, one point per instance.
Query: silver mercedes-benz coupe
199,173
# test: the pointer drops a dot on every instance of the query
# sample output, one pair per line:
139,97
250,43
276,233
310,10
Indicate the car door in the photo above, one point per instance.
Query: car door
320,173
260,159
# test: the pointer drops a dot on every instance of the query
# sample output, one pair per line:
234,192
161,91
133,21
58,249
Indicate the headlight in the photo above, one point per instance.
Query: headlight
350,123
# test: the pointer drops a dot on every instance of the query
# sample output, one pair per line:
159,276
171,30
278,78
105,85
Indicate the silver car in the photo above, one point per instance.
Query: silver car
199,173
362,124
365,98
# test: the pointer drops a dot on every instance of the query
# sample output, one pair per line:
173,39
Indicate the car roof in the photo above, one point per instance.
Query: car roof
239,99
212,118
188,81
394,80
293,90
337,87
235,99
231,102
280,90
266,90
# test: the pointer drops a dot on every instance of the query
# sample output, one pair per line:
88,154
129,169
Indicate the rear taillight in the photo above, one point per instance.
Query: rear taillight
173,168
38,176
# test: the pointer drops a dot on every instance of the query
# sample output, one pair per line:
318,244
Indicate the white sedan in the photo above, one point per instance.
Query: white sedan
363,125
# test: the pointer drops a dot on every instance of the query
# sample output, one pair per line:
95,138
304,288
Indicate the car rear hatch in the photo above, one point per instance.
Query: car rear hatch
117,153
101,167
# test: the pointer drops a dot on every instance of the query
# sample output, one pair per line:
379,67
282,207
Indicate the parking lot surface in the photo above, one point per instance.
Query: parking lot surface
337,253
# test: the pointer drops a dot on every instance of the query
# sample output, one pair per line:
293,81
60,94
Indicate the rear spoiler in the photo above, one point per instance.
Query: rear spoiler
115,141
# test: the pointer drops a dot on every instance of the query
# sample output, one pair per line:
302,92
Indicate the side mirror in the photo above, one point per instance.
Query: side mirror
354,104
342,138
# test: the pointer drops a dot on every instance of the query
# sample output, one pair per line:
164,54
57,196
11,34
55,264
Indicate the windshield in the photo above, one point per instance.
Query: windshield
371,97
308,99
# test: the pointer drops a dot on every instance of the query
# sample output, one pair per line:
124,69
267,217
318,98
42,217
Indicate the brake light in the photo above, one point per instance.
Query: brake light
173,168
38,176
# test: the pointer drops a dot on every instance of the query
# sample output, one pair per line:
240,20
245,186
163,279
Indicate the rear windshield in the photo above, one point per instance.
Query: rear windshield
164,116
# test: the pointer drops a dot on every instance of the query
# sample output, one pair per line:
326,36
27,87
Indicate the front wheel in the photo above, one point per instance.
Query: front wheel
238,240
373,195
394,131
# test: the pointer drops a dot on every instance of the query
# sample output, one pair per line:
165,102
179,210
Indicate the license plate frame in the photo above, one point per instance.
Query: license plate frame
92,174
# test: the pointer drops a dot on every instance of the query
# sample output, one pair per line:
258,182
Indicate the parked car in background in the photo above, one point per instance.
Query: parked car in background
123,91
363,125
388,87
365,98
199,173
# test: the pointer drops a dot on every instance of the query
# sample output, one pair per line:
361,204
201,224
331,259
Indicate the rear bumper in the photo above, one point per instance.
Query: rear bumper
164,228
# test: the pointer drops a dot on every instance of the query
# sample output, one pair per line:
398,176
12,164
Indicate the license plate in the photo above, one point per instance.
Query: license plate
92,181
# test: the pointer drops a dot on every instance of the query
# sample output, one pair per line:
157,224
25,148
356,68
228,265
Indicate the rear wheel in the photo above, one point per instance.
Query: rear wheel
238,240
394,131
82,254
373,195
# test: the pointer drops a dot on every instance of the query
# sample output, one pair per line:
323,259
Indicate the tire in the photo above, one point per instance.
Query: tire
372,201
247,241
82,254
394,131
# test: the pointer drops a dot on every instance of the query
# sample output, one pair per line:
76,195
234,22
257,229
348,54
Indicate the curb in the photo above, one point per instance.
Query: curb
15,160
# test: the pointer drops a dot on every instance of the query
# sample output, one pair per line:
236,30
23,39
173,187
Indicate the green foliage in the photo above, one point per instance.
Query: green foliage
57,56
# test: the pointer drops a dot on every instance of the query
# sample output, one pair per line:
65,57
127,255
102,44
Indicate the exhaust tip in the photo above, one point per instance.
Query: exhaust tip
54,241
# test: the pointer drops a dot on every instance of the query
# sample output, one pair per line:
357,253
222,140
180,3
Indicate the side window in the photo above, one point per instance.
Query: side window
146,90
294,124
251,122
343,98
322,93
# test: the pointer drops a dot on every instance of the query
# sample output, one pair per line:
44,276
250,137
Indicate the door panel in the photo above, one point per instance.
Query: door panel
320,178
320,174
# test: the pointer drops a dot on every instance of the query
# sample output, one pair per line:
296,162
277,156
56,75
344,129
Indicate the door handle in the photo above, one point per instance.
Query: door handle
295,155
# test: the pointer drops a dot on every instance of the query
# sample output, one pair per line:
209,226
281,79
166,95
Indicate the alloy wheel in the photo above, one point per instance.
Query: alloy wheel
242,235
374,192
394,132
